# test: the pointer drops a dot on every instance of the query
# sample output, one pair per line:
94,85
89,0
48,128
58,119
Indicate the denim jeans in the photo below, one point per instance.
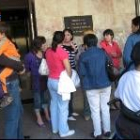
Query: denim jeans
58,109
40,100
98,99
13,113
1,91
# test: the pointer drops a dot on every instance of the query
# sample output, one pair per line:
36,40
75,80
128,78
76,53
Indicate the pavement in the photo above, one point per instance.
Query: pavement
82,127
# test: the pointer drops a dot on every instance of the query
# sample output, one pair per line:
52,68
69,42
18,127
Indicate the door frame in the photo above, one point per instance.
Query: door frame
137,7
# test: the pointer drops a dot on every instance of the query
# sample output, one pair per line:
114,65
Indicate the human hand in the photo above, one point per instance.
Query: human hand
73,45
39,54
22,72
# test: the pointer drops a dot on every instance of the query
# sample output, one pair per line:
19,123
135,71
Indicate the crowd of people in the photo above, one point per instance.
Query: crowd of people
89,60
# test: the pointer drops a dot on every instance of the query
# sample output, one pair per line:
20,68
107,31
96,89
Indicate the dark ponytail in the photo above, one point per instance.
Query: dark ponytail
58,38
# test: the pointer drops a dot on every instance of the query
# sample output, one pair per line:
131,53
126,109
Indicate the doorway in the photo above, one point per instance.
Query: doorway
21,18
20,15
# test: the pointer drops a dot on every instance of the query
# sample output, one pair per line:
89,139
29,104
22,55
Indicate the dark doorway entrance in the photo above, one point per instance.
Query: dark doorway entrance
20,15
17,13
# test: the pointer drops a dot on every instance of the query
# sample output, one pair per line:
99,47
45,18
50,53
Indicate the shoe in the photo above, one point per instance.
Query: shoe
41,125
71,118
48,121
87,118
55,132
5,101
69,133
75,114
26,137
96,137
107,134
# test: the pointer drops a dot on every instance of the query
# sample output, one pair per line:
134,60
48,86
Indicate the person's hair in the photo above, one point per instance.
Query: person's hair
135,55
90,40
136,22
87,31
58,38
108,32
5,29
69,31
37,43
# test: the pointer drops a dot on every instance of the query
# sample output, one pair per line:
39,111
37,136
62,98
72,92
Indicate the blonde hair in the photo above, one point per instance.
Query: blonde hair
88,31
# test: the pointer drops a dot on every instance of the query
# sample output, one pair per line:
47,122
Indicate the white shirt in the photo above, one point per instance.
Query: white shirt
65,86
128,90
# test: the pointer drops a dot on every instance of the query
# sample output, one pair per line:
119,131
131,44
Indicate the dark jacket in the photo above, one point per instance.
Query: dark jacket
15,65
92,69
126,128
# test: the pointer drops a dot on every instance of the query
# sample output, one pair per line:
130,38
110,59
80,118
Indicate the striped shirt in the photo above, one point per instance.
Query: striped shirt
72,54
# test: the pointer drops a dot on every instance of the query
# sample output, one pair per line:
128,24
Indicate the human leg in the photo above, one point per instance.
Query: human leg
63,115
86,110
71,105
37,107
13,113
93,97
44,103
5,98
105,113
52,86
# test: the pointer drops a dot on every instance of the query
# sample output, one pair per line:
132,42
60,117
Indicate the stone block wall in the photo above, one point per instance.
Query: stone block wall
114,14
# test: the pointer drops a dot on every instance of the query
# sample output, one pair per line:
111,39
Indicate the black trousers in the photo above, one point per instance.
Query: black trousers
71,105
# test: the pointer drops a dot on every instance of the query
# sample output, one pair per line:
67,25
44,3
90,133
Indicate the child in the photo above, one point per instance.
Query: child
8,49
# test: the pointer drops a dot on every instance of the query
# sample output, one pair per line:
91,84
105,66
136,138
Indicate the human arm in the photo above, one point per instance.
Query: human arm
63,55
117,53
7,62
81,66
74,47
127,51
67,67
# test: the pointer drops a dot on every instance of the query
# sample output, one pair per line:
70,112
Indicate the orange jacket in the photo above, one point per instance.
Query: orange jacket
8,49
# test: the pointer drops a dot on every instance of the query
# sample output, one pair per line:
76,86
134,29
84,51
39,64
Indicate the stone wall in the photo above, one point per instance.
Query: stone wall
115,14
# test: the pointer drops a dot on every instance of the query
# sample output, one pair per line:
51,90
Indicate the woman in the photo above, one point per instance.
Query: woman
111,47
57,60
38,82
131,41
95,81
71,48
128,91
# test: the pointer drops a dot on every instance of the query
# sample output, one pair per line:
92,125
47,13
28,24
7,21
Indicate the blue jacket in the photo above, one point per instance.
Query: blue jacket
92,69
131,41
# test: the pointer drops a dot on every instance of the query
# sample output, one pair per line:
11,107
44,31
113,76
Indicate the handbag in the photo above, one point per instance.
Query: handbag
113,73
43,68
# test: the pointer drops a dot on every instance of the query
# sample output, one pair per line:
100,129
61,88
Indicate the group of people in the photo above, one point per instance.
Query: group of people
62,56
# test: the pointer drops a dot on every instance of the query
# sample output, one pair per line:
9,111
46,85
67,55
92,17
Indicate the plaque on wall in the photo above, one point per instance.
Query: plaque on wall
78,23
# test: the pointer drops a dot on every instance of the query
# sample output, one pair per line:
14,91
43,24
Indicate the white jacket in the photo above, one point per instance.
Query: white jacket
65,86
